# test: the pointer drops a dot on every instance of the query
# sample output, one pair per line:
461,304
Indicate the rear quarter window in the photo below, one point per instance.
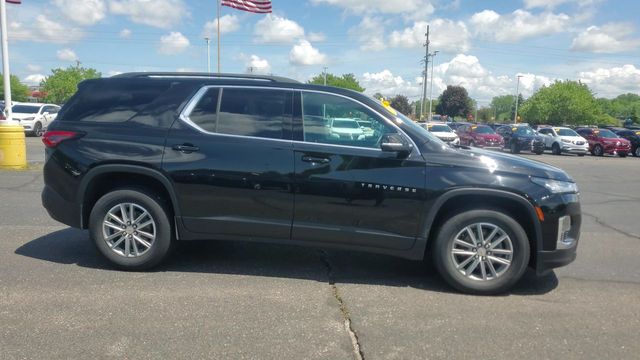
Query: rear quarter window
111,100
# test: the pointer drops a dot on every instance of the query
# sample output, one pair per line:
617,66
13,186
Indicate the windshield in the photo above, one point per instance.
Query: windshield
25,109
607,134
567,132
483,129
525,130
439,128
349,124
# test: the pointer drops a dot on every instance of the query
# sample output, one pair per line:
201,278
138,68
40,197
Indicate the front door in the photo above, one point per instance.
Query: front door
349,191
231,160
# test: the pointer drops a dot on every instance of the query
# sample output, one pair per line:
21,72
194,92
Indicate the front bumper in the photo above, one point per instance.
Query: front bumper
531,145
560,232
575,149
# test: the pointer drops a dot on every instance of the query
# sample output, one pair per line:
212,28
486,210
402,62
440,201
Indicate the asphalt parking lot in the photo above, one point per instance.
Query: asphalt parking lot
59,299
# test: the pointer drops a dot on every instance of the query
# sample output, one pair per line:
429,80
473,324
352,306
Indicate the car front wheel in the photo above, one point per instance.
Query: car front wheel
637,151
131,228
598,150
555,149
481,252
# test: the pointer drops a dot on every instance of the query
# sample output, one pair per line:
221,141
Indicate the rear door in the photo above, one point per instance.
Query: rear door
349,191
231,160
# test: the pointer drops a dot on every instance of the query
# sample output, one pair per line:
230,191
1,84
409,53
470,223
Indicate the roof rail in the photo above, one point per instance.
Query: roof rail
205,75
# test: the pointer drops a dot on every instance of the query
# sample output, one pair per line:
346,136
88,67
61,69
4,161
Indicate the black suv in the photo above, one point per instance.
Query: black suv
634,137
143,160
521,137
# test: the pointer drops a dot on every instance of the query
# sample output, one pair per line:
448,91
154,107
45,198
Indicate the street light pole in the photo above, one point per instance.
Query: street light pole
208,40
6,75
325,76
515,115
431,85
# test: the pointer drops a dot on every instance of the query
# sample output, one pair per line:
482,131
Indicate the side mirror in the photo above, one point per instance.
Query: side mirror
403,150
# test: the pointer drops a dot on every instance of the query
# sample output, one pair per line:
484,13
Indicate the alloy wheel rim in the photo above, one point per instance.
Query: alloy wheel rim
482,251
638,151
129,230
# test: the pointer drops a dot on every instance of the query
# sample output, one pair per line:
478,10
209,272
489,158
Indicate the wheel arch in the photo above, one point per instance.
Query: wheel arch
103,178
459,200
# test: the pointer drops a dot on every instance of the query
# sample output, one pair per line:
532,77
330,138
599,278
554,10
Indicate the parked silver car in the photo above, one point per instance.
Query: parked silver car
34,117
563,140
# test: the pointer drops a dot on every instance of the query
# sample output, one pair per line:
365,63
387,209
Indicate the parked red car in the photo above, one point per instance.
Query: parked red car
604,141
481,136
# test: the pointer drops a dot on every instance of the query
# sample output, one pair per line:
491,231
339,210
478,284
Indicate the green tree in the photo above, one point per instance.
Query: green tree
501,106
485,114
401,103
19,91
454,101
347,81
623,107
563,102
63,83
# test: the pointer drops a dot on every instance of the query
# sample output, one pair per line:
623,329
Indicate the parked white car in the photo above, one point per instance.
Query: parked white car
443,132
34,117
346,128
562,139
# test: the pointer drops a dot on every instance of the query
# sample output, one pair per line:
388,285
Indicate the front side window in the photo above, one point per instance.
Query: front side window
25,109
331,119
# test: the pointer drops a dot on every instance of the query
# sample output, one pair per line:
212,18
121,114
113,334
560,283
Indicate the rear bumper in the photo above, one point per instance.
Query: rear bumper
59,209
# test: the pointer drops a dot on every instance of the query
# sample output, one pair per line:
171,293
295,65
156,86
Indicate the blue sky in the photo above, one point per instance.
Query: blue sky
482,45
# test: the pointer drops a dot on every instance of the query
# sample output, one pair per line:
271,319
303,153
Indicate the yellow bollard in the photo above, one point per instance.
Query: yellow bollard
12,147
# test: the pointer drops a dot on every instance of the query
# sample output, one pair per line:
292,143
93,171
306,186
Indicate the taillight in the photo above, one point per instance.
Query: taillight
52,138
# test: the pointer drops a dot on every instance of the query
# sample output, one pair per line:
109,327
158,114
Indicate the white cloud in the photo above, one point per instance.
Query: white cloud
158,13
611,82
228,24
446,35
303,53
482,84
414,9
517,25
33,68
173,43
125,33
43,29
66,55
387,84
84,12
276,29
34,79
257,65
610,38
370,34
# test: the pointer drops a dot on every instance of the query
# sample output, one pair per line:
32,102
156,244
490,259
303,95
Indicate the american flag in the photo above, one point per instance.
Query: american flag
254,6
14,1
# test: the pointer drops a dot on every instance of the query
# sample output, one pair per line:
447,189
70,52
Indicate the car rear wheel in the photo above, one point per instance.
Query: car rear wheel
481,251
131,228
555,149
37,129
637,151
598,150
622,154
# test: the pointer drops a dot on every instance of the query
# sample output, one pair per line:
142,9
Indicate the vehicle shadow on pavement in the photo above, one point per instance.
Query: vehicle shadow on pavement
72,246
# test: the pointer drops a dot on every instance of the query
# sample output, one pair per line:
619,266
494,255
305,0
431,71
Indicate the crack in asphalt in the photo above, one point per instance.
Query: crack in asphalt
353,336
29,182
603,223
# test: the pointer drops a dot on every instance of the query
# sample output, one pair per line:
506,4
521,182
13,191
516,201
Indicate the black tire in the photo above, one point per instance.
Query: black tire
539,152
581,155
444,260
636,152
158,211
514,148
555,149
37,129
622,155
598,150
472,144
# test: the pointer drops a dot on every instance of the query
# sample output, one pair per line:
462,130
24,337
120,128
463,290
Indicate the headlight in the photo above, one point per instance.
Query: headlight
566,140
29,118
555,186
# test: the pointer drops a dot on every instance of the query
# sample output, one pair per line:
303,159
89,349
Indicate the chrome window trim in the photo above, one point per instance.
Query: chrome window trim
184,115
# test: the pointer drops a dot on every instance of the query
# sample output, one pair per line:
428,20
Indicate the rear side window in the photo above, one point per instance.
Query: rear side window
111,100
204,114
252,112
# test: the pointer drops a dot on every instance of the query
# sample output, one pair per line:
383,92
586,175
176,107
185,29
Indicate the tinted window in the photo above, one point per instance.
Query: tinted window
545,131
111,100
607,134
525,130
333,119
567,132
252,112
483,129
25,109
439,128
205,111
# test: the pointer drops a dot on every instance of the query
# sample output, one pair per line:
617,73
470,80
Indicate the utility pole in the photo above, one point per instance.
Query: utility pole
426,68
325,75
5,64
431,85
218,12
208,40
515,115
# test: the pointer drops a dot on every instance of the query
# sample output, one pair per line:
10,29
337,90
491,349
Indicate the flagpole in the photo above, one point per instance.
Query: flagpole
6,75
218,36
